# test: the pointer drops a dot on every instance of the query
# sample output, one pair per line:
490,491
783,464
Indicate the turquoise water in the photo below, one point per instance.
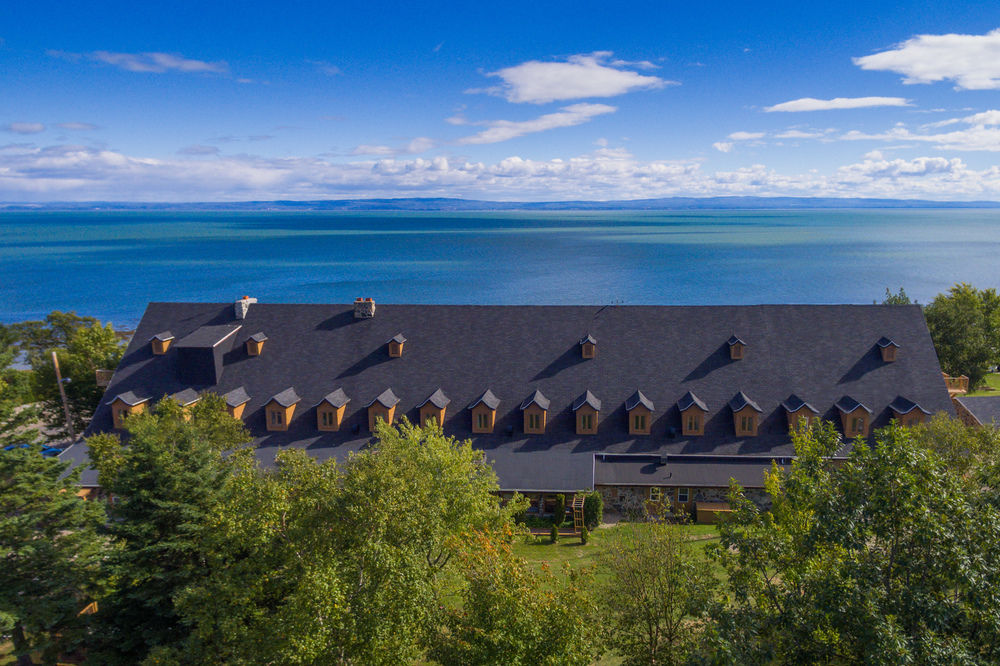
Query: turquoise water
110,264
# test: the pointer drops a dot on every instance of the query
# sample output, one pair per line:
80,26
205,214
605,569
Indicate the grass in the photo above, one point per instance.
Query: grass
992,383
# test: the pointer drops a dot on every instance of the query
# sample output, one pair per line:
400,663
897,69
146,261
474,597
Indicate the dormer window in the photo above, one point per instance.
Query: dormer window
484,413
382,408
236,402
588,347
906,412
255,344
279,410
799,412
693,412
534,408
746,414
396,345
587,409
125,404
433,408
330,411
888,348
736,347
161,342
855,418
640,414
186,399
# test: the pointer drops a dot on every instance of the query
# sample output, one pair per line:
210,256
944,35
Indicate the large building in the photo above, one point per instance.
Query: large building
640,402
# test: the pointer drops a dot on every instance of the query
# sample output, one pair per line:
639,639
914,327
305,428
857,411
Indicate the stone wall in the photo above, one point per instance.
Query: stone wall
629,502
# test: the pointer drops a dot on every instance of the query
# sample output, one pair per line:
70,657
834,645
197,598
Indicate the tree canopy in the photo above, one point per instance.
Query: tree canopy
965,326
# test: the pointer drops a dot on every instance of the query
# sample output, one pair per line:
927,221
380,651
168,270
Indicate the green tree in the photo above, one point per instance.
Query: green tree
320,563
899,298
593,510
657,594
513,614
87,348
50,552
890,557
16,419
965,327
168,483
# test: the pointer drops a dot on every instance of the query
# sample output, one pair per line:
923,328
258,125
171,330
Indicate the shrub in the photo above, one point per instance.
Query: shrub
584,535
559,513
554,533
593,510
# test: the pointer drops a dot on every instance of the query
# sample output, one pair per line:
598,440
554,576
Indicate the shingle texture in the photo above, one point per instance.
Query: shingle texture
386,398
688,400
438,399
185,397
636,399
587,398
986,408
238,396
536,398
336,398
902,405
128,397
286,398
847,404
821,353
740,400
794,403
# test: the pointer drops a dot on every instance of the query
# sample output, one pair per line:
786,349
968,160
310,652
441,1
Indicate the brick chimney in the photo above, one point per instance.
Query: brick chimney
242,306
364,308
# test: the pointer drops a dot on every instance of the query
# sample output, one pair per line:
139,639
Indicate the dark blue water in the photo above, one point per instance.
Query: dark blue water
111,264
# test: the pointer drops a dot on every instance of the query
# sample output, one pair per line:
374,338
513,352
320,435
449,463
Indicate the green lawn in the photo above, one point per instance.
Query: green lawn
993,382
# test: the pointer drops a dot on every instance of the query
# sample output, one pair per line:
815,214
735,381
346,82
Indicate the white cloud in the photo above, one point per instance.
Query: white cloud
420,144
568,116
579,77
971,61
198,150
325,67
24,128
799,134
745,136
982,133
151,61
77,127
723,146
813,104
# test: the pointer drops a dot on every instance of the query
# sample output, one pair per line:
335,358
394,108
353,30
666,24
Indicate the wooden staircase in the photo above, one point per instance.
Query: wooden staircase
577,506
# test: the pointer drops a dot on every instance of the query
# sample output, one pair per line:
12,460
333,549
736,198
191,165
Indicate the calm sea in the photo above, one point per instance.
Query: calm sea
111,264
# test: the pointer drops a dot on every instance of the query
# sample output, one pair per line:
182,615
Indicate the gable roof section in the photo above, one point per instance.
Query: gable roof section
163,336
902,405
386,398
238,396
794,403
847,404
984,408
286,398
688,400
740,400
884,342
438,399
488,399
335,399
128,397
587,398
536,398
186,397
208,336
636,399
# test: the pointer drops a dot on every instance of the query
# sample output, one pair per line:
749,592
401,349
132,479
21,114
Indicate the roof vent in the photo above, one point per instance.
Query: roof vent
242,306
364,308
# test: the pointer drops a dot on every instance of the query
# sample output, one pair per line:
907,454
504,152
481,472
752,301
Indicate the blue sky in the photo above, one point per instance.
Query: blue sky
508,101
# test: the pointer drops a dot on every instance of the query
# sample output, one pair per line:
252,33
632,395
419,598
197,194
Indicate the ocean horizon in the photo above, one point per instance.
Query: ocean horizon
110,264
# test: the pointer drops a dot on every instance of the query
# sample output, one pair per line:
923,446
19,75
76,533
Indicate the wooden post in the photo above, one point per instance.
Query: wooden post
62,394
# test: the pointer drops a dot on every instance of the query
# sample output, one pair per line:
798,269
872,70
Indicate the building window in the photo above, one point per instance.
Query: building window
119,415
327,419
586,421
275,417
683,494
481,421
534,421
694,423
746,423
857,425
639,422
655,494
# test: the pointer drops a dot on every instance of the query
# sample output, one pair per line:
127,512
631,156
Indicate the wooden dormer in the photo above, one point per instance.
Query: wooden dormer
799,412
484,413
746,415
279,410
236,402
255,344
736,348
906,412
186,399
383,408
855,418
693,412
889,349
534,408
587,409
433,408
161,342
396,345
588,346
123,405
330,411
639,409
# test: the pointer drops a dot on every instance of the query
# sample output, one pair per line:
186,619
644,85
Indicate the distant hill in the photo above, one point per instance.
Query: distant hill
446,204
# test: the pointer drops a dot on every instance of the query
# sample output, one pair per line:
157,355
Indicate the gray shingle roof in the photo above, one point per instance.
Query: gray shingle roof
985,408
847,404
902,405
794,403
336,398
398,338
208,336
258,337
536,398
587,398
689,399
884,342
286,398
163,336
690,471
128,397
733,340
386,398
638,398
238,396
463,349
487,398
185,397
740,400
588,338
438,399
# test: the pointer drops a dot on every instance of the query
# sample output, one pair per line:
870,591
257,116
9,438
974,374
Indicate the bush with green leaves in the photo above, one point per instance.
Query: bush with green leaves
593,510
559,512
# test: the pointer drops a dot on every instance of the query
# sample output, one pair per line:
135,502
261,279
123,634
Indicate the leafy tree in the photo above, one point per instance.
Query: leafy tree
38,338
16,420
593,510
559,512
657,594
965,327
891,557
320,563
87,348
899,298
512,614
168,483
50,552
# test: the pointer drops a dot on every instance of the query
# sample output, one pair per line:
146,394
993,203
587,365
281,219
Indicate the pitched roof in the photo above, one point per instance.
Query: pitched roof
794,403
286,398
902,405
208,336
128,397
588,338
487,398
258,337
185,397
884,342
740,400
985,408
689,399
238,396
587,398
636,399
847,404
336,399
398,338
438,399
669,351
733,340
386,398
536,398
163,336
